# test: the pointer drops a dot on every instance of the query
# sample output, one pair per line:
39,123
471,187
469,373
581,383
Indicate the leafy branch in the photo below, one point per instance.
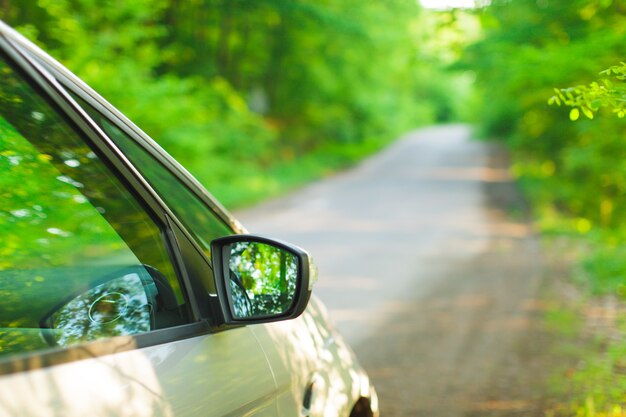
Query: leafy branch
609,92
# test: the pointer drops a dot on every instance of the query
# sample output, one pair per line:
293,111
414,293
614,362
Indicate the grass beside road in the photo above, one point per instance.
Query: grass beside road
587,313
589,331
254,184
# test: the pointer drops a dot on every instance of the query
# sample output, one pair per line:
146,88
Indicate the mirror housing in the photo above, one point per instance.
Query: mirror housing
261,280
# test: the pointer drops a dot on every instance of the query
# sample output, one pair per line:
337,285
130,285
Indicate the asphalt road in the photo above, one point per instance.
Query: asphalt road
430,270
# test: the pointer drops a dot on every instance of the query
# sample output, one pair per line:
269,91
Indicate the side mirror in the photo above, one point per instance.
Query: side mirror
261,280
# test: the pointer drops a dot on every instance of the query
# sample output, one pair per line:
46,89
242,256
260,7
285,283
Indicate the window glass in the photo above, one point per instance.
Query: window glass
80,259
199,220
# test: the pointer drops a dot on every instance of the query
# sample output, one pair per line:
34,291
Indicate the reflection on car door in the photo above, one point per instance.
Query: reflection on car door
221,374
216,375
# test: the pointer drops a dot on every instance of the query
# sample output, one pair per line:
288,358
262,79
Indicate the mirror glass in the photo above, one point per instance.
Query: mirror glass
115,308
262,279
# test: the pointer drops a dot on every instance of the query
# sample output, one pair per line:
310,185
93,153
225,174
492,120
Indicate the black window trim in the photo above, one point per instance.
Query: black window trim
119,165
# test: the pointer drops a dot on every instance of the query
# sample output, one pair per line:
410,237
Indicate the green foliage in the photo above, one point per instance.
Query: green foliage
592,381
607,92
605,269
574,173
234,88
264,280
529,47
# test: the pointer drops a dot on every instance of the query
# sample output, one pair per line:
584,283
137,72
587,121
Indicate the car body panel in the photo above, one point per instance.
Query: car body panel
219,374
309,354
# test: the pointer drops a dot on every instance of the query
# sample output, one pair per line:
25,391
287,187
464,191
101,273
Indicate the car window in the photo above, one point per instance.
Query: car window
200,221
80,258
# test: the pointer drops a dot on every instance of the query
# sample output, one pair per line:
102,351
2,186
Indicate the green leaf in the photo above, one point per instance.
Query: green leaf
587,112
574,114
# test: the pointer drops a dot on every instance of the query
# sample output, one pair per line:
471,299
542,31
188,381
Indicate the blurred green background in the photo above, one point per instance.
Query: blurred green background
256,97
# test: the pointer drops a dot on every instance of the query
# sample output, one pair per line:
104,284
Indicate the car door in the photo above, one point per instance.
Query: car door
87,241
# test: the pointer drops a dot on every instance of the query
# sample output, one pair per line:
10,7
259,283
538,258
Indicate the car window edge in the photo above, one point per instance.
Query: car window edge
102,347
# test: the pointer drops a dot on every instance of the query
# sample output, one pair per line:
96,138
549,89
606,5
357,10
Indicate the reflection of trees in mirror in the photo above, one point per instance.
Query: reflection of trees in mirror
267,274
115,308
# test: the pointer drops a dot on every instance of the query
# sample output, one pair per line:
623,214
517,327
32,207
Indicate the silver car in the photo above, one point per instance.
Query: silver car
126,289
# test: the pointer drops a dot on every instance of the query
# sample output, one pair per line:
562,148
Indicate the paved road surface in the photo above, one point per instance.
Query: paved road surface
425,273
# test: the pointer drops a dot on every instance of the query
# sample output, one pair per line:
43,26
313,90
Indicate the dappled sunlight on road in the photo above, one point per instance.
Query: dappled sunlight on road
482,174
356,315
501,405
472,301
511,230
345,283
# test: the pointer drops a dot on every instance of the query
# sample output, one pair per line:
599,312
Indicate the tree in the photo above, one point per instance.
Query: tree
609,92
529,47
